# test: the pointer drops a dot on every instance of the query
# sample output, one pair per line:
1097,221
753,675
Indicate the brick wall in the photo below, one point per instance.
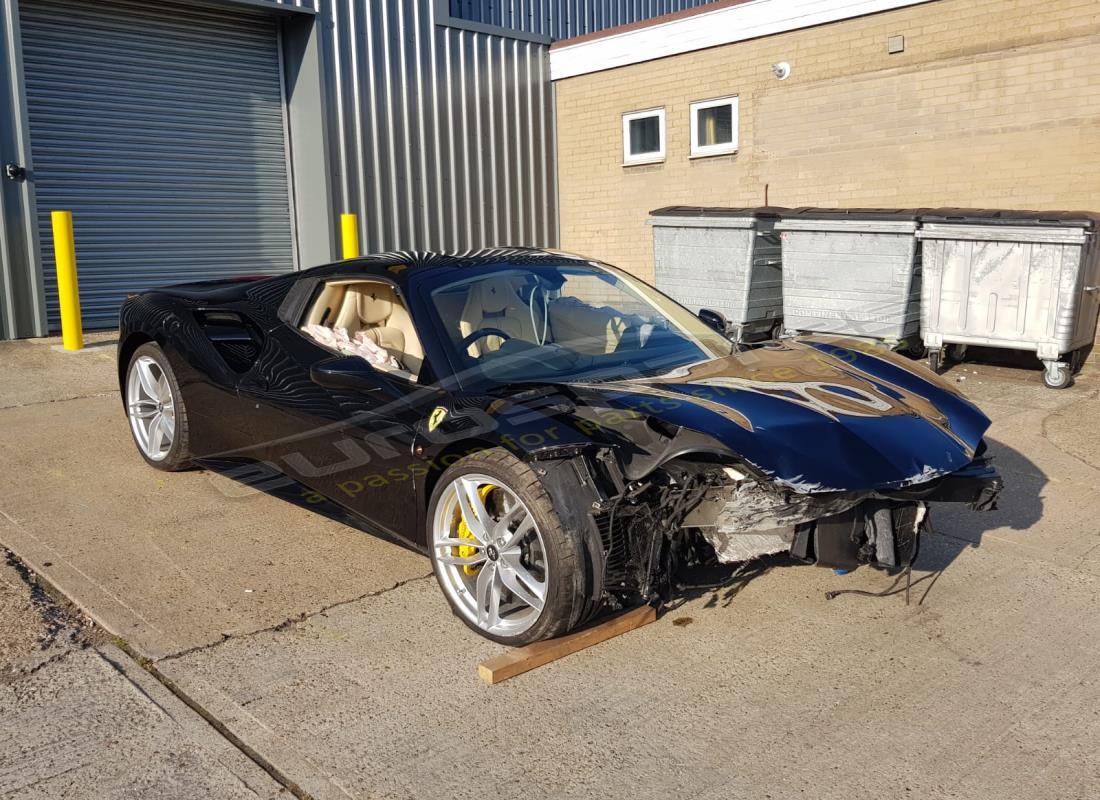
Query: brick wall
993,103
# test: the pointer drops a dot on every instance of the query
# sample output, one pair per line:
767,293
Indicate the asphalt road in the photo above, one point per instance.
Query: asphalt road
331,656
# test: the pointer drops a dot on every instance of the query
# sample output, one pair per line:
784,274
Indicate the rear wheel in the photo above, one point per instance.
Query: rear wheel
154,406
506,565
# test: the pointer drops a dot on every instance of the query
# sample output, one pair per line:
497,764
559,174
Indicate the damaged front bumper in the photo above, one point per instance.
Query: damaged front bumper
839,529
691,509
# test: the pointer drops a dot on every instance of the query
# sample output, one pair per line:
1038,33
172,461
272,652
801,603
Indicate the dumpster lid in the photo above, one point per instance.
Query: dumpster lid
997,216
702,212
855,214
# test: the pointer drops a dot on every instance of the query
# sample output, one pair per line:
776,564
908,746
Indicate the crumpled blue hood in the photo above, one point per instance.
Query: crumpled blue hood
819,414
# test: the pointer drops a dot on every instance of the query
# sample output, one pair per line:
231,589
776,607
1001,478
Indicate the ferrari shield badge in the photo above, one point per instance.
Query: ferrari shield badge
437,415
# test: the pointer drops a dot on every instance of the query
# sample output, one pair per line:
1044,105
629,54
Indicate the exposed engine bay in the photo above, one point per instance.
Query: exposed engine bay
695,512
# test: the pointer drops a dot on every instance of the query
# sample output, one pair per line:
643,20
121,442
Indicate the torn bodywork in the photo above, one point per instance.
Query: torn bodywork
841,474
689,511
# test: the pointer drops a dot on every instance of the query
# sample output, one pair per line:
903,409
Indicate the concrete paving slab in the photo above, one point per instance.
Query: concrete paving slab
1050,495
93,724
988,689
167,561
78,718
1074,429
40,371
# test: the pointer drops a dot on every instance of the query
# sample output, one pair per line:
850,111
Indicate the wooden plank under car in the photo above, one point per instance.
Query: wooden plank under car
524,659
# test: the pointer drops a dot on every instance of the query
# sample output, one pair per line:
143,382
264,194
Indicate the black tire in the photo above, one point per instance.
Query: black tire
566,595
1077,359
934,361
1063,378
179,454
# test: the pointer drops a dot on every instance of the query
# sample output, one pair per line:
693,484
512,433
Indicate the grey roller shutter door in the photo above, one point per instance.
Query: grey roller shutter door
161,127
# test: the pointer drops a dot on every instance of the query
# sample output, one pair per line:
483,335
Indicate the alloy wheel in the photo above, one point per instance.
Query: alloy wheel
490,555
151,408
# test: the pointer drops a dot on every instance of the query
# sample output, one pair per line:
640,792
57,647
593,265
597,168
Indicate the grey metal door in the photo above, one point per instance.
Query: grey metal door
161,127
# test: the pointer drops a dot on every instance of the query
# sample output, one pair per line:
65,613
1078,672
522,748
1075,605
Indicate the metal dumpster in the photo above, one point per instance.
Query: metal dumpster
1025,280
726,259
852,271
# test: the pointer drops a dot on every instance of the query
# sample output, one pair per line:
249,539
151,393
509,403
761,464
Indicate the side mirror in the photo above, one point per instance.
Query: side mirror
714,319
347,372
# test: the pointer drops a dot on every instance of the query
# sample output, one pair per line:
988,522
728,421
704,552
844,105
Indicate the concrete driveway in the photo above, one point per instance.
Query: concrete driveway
330,658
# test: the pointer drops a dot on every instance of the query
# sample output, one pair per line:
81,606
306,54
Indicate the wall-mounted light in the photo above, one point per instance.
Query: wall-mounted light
782,70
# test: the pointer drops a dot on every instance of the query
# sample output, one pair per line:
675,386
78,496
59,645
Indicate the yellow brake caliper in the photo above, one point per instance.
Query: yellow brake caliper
465,551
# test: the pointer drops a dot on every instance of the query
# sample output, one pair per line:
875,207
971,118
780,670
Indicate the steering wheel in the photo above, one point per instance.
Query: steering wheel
481,333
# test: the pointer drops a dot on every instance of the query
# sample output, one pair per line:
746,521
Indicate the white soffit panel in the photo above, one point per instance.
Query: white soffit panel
723,25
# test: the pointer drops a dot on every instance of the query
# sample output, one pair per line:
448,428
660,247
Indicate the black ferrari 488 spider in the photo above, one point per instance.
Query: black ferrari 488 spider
555,434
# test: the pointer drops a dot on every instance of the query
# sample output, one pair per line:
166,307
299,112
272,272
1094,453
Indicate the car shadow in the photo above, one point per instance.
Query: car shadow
287,489
1019,508
721,583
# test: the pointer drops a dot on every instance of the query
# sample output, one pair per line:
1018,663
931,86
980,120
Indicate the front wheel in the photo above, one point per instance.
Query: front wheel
506,565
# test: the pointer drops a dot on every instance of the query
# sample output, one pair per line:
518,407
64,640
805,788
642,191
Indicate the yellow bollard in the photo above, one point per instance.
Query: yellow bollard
68,293
349,235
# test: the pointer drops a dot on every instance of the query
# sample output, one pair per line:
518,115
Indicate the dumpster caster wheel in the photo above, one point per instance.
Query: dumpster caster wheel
934,361
1058,375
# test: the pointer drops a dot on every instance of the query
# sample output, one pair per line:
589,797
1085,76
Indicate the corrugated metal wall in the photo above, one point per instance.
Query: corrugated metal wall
442,138
561,19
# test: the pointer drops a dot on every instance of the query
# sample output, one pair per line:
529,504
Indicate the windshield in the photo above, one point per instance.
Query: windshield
577,321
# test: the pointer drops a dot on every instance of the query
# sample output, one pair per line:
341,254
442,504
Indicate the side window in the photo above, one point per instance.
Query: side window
644,137
367,319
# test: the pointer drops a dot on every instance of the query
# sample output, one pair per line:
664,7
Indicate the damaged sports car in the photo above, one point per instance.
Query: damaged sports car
555,434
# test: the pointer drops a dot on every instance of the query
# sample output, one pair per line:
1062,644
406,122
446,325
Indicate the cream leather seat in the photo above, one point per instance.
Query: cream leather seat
585,328
375,309
495,303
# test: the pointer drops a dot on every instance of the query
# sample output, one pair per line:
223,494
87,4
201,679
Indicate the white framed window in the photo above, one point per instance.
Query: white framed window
714,126
644,136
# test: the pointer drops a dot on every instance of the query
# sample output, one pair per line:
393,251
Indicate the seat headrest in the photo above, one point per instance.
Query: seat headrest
495,294
374,304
